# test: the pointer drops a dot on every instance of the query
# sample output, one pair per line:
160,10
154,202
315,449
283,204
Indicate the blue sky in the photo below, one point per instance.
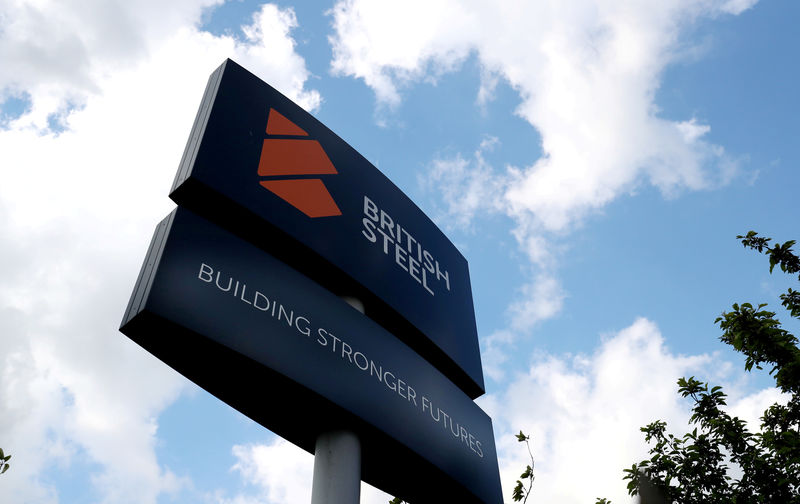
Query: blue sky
593,162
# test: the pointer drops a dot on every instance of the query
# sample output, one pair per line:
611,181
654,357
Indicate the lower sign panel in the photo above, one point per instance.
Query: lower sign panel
300,361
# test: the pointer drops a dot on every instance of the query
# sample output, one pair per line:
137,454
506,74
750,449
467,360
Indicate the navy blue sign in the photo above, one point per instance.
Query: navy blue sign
283,350
259,165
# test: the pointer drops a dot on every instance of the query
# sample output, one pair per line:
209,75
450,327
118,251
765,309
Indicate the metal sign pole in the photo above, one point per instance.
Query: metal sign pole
337,469
337,460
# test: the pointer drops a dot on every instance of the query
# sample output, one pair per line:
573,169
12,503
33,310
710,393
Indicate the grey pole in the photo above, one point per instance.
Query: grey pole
337,460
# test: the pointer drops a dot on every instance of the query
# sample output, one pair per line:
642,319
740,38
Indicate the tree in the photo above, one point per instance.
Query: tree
720,460
4,461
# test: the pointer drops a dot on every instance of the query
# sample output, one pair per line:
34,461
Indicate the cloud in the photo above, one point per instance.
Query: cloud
736,7
281,470
466,187
282,474
388,46
751,407
539,300
587,74
60,50
583,412
59,54
78,205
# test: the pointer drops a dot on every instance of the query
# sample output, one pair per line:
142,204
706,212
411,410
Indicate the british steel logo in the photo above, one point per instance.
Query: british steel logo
288,153
290,159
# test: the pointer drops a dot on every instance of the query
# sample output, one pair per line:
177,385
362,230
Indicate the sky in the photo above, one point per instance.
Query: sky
593,160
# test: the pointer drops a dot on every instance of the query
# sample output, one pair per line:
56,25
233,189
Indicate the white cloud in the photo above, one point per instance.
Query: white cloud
63,53
466,187
737,6
60,49
77,209
539,300
751,407
583,413
282,474
388,46
587,73
281,470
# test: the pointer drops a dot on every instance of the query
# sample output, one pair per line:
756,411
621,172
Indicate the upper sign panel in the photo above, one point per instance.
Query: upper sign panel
262,167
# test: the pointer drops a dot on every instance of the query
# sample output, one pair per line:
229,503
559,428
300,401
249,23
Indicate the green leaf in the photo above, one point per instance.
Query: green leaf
517,494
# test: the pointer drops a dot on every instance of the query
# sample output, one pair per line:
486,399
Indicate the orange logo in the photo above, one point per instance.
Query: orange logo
289,157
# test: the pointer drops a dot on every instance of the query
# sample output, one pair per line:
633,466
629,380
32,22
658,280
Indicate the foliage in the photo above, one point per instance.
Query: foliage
4,461
520,493
720,460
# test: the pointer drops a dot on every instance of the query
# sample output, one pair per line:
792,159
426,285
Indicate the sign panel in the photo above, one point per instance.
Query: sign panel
283,350
259,165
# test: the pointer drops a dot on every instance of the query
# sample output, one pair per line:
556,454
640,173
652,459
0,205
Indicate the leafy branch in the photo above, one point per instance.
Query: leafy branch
4,461
521,493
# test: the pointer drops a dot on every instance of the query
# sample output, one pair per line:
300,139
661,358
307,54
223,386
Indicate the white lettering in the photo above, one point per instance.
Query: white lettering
393,384
244,288
412,395
304,327
375,370
386,241
425,281
409,239
369,226
428,261
400,257
377,220
230,282
387,223
205,269
370,209
255,302
413,269
439,275
283,314
335,339
321,339
366,362
348,351
401,388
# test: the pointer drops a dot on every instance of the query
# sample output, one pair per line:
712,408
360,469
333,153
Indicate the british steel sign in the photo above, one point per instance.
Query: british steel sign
259,165
288,353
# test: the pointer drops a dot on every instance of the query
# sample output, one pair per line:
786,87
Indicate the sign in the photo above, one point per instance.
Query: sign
283,350
259,165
